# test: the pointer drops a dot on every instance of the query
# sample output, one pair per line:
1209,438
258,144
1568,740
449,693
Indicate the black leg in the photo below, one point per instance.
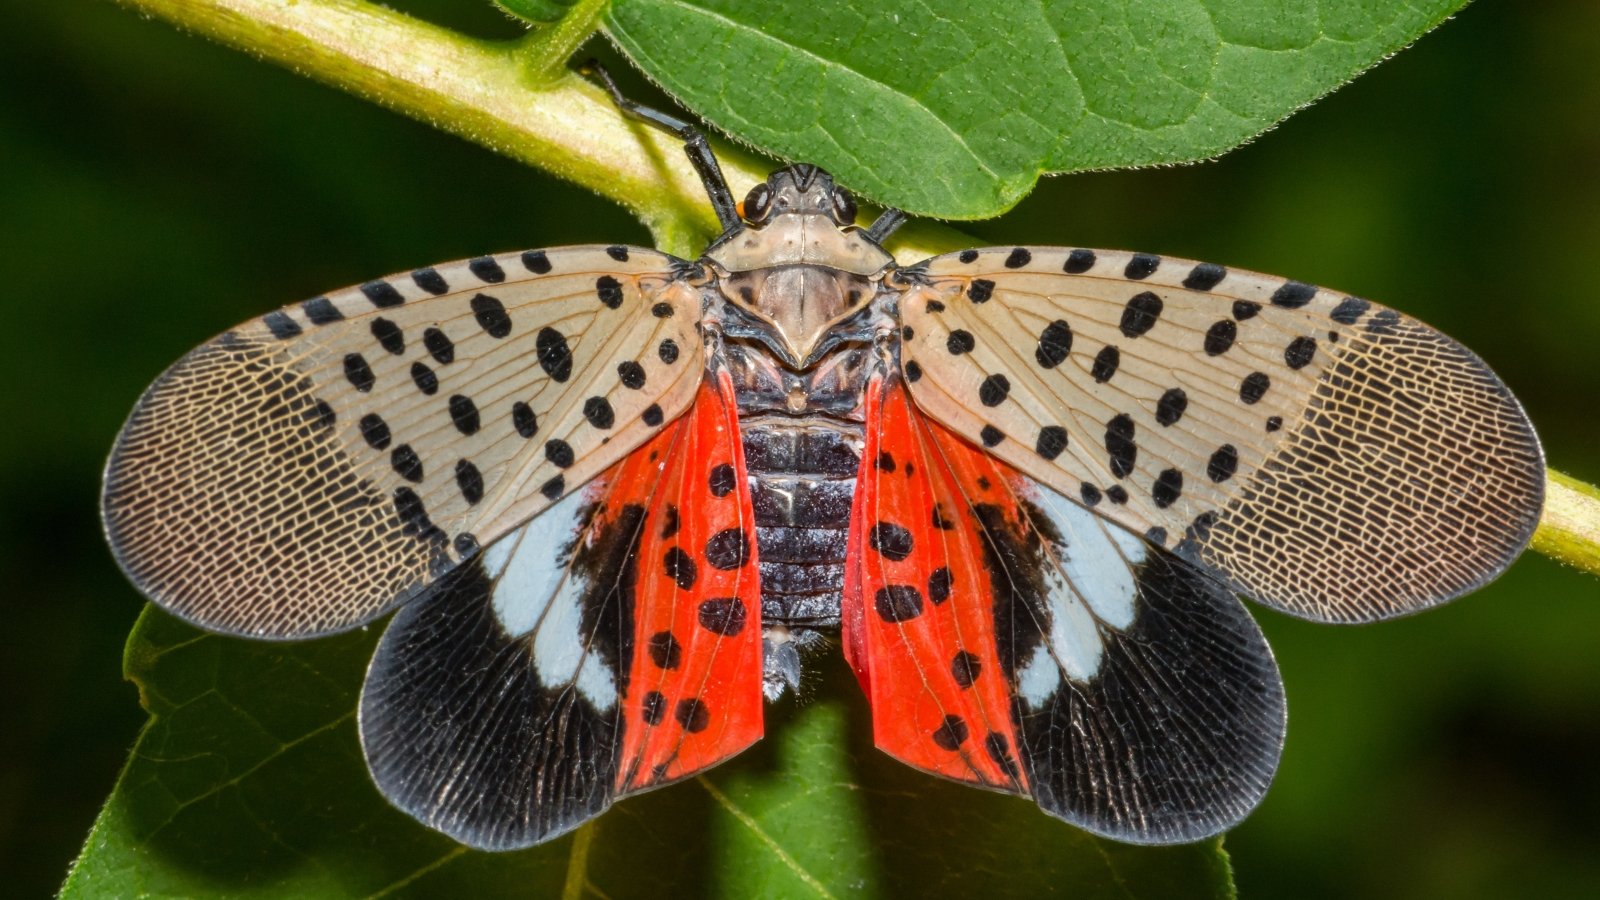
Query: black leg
694,144
885,224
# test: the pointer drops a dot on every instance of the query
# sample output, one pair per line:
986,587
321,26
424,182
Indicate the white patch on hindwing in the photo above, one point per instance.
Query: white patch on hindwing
1091,584
535,592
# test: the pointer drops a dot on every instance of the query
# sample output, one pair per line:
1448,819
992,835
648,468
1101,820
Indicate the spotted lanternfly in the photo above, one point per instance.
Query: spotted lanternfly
614,495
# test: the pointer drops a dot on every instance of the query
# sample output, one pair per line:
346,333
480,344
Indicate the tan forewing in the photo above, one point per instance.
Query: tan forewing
309,469
1330,456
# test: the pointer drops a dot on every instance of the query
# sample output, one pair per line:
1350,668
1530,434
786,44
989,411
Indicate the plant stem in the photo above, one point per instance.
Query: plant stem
515,98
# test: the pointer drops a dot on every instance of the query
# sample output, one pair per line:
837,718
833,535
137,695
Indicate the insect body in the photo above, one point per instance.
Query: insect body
613,493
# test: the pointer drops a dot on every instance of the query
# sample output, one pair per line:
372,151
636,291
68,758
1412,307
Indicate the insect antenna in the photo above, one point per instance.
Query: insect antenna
694,144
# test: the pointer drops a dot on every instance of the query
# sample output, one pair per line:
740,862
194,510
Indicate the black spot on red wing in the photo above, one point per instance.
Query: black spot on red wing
609,290
1105,364
723,615
960,341
885,462
1142,265
1300,352
892,541
1274,423
653,708
536,262
464,413
1170,408
993,390
1018,258
389,335
487,270
913,371
440,347
281,326
670,523
668,351
553,488
980,290
1254,387
321,311
722,480
1223,463
1120,446
1117,494
470,481
1293,295
406,463
968,256
524,420
991,436
559,452
939,583
1220,337
664,650
680,567
358,372
1052,441
1089,493
728,549
1349,310
599,412
939,521
1078,262
1055,342
951,734
1244,310
382,294
965,668
1167,488
1204,277
424,379
431,281
898,603
983,482
375,431
491,315
652,415
693,715
999,749
555,356
1140,314
618,253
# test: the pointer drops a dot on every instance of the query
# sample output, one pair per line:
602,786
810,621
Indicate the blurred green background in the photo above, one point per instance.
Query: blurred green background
155,189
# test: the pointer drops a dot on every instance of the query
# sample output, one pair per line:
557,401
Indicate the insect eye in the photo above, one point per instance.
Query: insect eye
844,207
758,203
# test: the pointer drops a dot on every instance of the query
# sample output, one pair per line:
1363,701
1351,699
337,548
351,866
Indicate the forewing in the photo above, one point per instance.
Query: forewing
582,657
1019,642
1331,457
306,471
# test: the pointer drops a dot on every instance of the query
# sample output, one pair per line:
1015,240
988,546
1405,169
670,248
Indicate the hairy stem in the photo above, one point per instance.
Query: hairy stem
518,98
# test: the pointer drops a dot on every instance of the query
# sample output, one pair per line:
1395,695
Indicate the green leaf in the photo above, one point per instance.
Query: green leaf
953,109
249,780
538,11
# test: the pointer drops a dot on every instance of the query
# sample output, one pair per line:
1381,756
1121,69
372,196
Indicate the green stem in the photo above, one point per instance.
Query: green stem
515,98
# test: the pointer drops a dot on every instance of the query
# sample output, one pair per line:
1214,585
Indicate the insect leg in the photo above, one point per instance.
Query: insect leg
885,224
694,144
